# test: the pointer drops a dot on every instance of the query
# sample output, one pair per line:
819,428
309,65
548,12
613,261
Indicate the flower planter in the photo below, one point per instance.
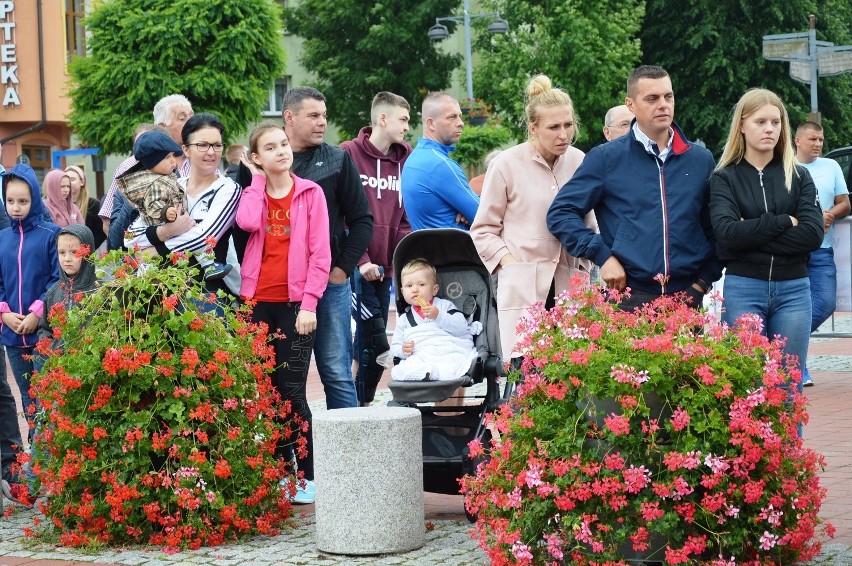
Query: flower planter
477,120
635,437
160,420
595,410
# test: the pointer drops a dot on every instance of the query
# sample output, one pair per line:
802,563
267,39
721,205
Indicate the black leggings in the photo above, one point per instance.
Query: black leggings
292,362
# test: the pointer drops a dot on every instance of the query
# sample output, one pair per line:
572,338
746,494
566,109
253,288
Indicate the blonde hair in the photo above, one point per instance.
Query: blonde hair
735,146
82,201
417,264
541,94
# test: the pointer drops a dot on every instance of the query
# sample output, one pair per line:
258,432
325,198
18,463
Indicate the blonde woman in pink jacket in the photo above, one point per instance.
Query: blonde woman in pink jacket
509,230
285,270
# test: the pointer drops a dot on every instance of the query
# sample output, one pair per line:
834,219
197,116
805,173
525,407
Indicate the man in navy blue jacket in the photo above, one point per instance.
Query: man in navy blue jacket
649,192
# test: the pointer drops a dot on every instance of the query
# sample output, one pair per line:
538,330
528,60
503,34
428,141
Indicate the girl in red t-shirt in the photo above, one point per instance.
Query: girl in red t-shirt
285,268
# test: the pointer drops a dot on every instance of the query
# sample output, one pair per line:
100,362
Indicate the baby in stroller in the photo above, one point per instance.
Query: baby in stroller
433,338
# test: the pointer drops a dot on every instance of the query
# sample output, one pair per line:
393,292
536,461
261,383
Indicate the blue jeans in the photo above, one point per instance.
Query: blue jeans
370,299
784,307
823,275
10,432
822,272
333,346
22,370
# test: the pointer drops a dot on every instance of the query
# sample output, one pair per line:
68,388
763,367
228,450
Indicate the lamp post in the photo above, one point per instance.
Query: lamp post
439,32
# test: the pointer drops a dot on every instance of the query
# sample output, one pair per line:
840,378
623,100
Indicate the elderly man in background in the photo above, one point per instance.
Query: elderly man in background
617,122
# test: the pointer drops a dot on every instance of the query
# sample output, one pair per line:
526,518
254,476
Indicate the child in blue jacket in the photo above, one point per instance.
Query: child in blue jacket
28,267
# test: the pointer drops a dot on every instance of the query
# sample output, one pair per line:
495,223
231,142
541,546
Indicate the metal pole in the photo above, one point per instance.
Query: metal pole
467,50
812,50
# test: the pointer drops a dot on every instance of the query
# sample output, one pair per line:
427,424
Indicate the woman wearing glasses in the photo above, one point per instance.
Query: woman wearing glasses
211,200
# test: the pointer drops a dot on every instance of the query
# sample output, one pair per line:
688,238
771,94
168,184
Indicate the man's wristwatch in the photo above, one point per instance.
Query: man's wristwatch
702,284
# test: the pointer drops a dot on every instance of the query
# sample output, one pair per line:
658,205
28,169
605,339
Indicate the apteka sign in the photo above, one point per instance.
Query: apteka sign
8,54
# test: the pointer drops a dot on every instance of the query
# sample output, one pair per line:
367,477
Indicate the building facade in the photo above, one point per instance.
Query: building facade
37,39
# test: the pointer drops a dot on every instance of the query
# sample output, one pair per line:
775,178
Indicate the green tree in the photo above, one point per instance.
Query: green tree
834,23
357,49
478,141
586,47
222,54
713,51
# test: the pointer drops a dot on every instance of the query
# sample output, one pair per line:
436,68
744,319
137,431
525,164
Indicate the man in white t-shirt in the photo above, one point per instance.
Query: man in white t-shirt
834,202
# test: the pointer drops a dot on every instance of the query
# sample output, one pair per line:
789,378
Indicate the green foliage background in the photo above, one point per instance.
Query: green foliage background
713,51
586,47
222,54
478,141
357,49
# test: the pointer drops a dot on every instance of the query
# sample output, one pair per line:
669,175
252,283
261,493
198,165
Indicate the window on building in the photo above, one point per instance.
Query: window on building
276,97
75,32
39,159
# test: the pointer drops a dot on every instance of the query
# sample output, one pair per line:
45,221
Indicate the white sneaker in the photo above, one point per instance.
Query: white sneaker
304,495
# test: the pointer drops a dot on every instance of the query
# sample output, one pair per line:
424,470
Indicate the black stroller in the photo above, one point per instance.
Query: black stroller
447,429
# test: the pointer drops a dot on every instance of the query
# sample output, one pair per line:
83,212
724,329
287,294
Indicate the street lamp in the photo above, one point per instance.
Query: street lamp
439,32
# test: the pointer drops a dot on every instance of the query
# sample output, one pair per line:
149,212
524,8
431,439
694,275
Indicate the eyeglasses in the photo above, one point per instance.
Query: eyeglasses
620,126
204,147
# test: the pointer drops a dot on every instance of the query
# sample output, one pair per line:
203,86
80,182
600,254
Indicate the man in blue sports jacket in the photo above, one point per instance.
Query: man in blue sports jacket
649,192
435,191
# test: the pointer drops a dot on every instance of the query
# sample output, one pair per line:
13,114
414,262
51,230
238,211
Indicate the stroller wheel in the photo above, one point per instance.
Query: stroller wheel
471,518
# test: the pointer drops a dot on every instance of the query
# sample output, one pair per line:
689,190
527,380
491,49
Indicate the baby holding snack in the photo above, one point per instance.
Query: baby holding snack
432,337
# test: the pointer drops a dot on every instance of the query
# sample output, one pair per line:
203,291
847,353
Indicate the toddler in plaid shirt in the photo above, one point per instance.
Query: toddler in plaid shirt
152,187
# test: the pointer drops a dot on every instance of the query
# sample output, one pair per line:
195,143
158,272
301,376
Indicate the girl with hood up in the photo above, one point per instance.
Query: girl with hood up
28,267
59,200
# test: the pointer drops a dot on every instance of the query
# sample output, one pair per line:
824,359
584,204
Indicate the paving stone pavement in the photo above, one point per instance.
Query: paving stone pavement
448,543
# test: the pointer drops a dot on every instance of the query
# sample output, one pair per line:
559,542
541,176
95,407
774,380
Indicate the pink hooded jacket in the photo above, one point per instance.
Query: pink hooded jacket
63,211
310,250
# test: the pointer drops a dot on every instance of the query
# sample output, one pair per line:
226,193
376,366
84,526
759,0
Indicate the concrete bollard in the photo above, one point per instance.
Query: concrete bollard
368,472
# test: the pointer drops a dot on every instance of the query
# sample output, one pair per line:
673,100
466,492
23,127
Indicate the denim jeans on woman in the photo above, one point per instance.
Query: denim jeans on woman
784,307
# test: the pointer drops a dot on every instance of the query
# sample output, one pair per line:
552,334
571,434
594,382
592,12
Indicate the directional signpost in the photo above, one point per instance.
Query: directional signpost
808,58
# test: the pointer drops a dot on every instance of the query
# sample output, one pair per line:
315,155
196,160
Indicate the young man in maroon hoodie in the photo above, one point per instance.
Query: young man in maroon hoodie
379,153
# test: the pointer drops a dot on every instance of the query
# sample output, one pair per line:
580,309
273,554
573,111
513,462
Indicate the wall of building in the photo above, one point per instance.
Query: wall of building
27,126
32,120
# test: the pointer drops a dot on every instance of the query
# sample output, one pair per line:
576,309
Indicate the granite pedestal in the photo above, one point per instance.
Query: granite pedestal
368,472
